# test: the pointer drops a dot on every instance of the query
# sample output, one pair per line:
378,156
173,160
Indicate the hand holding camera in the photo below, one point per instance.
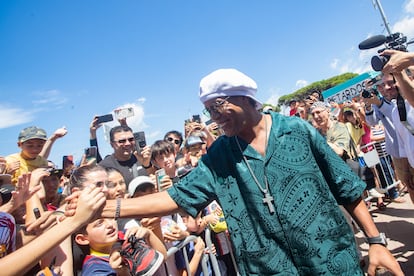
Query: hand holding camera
395,41
398,61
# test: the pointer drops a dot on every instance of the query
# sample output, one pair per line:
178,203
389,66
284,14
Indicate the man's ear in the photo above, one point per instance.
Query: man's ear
81,239
19,144
112,144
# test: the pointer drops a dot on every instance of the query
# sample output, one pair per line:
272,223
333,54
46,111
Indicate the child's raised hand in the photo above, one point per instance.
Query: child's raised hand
199,245
210,250
117,263
138,232
46,220
211,218
37,175
151,223
90,200
166,182
23,190
72,202
12,167
175,233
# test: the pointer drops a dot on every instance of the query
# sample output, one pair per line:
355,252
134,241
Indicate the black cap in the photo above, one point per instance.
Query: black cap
6,192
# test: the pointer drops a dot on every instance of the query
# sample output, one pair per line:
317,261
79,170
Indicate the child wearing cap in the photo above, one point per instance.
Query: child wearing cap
194,147
35,148
31,141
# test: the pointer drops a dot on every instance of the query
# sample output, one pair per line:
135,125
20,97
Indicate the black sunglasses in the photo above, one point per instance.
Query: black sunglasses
176,141
123,141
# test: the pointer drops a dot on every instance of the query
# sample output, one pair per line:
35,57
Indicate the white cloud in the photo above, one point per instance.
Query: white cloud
11,116
362,63
409,7
136,122
301,83
51,98
405,26
141,100
334,63
273,100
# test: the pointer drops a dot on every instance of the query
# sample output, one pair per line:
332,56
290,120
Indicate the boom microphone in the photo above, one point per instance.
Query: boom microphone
372,42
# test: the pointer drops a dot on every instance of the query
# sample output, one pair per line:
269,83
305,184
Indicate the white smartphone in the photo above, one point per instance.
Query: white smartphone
124,113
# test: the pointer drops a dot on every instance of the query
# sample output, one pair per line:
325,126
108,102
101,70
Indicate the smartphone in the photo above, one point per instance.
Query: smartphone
67,162
91,152
67,165
124,113
36,212
196,118
105,118
159,174
140,141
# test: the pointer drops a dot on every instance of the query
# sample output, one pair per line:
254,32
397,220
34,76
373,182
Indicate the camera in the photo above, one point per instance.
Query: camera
367,93
373,82
396,41
196,118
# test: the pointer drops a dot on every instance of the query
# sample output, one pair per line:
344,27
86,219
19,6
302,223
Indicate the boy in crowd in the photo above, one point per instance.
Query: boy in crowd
31,141
102,234
35,148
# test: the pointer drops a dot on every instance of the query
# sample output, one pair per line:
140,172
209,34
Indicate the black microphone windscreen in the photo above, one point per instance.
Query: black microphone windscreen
372,42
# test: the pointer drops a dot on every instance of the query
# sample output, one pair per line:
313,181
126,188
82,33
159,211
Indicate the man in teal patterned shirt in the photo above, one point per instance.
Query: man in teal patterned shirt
279,185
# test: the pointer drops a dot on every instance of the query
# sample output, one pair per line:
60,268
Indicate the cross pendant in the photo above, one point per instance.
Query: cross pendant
268,199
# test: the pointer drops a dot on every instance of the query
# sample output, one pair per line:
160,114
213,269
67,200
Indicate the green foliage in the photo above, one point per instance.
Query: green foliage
318,86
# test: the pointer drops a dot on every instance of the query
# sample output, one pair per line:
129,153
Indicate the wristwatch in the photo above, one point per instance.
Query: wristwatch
381,239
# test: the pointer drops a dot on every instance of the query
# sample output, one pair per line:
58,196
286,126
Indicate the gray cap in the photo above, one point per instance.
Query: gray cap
193,140
32,133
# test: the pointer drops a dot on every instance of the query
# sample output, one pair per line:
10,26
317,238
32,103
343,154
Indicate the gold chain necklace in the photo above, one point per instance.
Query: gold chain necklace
267,198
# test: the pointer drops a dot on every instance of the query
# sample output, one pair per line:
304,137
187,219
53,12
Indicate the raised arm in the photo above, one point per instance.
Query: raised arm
47,147
158,204
406,86
90,200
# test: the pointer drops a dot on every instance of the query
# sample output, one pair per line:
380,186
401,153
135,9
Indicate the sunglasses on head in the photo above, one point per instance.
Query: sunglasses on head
176,141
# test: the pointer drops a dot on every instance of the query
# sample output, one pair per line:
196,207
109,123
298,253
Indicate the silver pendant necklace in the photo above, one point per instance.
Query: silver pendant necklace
267,198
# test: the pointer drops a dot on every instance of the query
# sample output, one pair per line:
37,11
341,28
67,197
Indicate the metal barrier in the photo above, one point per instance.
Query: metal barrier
372,158
209,257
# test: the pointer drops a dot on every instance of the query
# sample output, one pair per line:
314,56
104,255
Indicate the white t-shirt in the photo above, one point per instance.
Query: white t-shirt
405,138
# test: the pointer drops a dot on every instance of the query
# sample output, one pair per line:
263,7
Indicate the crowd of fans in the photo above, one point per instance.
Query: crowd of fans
35,194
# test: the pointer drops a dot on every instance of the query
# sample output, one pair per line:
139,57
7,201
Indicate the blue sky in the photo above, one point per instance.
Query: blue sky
62,62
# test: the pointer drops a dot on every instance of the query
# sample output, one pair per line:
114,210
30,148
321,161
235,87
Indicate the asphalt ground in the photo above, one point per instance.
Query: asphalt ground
397,222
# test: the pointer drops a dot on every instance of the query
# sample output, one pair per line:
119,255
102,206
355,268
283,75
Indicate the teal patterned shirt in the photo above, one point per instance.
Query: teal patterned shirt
308,234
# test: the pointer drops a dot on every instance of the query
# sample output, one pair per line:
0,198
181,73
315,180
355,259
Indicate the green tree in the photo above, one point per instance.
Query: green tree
318,86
